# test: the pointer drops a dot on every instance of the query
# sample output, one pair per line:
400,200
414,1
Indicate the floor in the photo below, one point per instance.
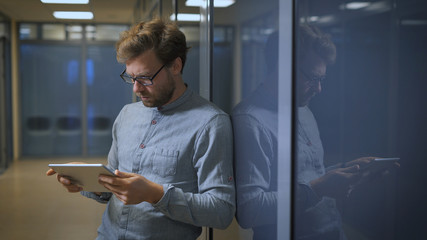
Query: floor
34,206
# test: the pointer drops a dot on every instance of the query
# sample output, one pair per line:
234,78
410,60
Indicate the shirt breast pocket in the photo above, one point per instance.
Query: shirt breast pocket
164,162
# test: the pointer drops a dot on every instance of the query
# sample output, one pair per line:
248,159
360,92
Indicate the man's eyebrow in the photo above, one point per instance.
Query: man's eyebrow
144,74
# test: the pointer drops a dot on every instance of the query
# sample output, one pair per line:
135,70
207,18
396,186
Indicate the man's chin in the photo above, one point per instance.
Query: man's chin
147,103
150,105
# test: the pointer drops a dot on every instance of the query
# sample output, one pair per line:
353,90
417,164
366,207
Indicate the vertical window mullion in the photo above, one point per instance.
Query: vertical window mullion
285,110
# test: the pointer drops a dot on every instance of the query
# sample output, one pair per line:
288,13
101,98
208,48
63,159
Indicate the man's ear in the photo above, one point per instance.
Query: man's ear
176,66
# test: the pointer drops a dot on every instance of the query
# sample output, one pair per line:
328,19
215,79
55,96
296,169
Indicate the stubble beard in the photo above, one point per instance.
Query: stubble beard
163,95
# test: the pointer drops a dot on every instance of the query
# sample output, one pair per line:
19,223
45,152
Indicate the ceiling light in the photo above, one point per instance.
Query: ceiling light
201,3
187,17
356,5
66,1
414,22
313,18
72,15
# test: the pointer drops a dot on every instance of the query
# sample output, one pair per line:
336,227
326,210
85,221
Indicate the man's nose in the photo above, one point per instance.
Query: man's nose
318,86
138,87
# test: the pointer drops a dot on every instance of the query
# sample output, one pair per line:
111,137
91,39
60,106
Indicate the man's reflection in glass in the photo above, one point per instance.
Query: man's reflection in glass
316,215
255,134
255,131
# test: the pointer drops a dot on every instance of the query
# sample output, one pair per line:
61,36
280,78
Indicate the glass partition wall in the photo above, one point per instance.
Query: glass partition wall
5,96
360,71
258,100
71,89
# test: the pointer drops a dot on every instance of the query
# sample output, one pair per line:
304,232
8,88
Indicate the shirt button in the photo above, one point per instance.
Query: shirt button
153,122
142,146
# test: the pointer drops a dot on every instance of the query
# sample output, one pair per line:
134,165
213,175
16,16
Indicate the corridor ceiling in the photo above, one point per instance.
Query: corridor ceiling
105,11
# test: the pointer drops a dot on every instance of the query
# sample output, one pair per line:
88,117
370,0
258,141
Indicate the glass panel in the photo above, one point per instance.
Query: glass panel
74,32
192,31
53,31
90,32
103,82
27,31
223,60
245,84
105,32
191,70
5,96
3,109
51,100
369,106
3,30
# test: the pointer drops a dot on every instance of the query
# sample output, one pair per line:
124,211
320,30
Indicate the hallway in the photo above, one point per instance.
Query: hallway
34,206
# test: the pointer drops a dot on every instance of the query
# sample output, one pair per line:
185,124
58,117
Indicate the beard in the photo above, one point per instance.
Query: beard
303,99
161,96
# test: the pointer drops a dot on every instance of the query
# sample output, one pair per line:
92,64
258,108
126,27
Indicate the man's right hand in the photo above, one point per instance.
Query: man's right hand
336,183
72,188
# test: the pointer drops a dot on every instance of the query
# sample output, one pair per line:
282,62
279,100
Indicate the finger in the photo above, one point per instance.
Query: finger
114,189
76,163
50,172
108,180
367,160
68,184
352,169
118,180
123,174
64,180
74,188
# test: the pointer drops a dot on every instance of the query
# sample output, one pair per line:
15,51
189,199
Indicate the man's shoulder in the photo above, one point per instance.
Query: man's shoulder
203,106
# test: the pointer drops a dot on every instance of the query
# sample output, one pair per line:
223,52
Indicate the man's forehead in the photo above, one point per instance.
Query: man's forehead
313,64
142,64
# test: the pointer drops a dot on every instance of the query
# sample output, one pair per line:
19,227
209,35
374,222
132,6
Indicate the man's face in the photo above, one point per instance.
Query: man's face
162,90
310,70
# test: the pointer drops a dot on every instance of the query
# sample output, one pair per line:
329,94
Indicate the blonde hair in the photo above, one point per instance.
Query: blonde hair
311,38
164,38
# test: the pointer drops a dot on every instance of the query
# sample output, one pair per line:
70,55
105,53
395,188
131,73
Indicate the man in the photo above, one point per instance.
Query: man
255,130
172,152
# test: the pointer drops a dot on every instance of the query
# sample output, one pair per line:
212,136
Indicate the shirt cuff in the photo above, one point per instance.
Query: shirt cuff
103,198
164,201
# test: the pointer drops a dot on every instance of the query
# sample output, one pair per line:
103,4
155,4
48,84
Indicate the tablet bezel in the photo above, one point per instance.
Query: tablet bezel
84,175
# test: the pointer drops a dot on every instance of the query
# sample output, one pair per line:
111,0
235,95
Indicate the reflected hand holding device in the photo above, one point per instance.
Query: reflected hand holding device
373,169
379,165
84,175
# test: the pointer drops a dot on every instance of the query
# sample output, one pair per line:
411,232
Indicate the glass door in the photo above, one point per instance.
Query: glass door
71,90
51,104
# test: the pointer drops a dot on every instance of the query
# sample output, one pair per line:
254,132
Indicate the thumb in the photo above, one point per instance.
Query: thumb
122,174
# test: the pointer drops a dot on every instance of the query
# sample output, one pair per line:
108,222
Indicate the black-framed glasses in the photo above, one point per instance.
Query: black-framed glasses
143,80
313,79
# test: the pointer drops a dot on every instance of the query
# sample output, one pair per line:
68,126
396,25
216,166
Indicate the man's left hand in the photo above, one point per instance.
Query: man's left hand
132,188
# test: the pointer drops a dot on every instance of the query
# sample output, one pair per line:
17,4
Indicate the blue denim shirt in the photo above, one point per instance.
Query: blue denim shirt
187,147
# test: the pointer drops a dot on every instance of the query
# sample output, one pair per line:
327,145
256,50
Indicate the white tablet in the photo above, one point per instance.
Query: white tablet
84,175
380,164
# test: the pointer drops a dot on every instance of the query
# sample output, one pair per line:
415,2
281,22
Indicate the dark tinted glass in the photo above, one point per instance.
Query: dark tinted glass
371,106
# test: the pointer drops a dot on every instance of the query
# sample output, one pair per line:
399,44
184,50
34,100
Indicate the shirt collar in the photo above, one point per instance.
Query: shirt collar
178,102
